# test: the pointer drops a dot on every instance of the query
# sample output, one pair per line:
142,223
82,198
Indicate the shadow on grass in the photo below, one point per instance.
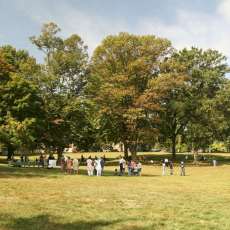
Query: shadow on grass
46,222
34,172
157,158
7,172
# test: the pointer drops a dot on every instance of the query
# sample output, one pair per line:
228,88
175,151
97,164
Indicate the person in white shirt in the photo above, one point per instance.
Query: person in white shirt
98,166
122,166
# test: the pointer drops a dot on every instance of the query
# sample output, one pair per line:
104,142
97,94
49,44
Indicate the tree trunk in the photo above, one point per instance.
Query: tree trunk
59,153
126,154
133,150
10,152
173,139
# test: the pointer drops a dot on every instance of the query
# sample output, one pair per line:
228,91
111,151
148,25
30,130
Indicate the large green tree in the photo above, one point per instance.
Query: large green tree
187,80
21,106
122,67
62,80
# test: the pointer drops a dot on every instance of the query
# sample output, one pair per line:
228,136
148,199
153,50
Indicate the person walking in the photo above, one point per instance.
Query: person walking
89,164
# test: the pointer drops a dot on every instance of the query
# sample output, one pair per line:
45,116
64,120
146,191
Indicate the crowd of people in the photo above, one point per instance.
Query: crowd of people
95,166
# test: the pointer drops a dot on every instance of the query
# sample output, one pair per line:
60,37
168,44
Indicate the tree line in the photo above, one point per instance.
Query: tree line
136,90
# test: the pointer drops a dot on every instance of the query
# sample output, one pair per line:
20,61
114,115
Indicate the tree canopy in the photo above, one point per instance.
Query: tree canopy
134,89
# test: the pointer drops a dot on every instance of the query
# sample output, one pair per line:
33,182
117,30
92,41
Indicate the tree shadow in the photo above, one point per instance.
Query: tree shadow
157,158
47,222
34,172
30,172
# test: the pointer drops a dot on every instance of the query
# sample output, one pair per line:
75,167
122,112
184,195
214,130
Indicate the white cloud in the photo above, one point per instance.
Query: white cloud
92,28
193,29
224,9
188,29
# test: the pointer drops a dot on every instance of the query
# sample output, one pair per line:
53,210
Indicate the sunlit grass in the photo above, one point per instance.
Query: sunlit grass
32,198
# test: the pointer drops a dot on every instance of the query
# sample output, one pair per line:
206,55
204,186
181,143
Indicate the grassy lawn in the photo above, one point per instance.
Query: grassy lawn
32,198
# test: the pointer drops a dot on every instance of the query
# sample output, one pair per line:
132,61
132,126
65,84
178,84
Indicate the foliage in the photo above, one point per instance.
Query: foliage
123,65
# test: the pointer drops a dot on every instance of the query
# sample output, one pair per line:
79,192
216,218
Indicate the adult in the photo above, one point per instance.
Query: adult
166,162
63,163
139,168
95,166
171,167
89,165
182,168
163,168
102,162
129,168
98,166
214,162
69,165
75,166
122,166
41,161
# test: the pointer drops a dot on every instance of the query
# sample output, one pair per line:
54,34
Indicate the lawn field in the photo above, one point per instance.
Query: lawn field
47,199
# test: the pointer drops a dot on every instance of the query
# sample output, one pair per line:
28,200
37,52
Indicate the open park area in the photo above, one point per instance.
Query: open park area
37,198
114,115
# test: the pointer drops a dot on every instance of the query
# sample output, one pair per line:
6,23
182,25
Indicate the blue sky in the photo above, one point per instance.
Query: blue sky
201,23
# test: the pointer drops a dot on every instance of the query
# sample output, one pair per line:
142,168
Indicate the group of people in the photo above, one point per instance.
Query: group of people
134,167
43,160
69,166
96,166
169,164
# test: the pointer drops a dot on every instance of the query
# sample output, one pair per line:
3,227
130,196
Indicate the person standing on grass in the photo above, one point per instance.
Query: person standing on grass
214,162
171,167
139,168
98,166
62,163
129,168
182,168
89,164
163,168
69,165
95,166
75,166
122,166
102,162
